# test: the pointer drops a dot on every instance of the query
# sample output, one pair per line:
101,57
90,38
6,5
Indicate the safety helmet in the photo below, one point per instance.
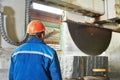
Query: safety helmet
35,26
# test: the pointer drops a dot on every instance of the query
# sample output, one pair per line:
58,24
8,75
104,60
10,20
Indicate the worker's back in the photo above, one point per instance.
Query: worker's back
34,60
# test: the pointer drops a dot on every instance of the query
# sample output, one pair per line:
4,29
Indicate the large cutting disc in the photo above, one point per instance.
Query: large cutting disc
91,40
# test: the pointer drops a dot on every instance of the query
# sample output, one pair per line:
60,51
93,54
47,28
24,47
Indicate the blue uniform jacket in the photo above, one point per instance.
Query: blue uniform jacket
34,60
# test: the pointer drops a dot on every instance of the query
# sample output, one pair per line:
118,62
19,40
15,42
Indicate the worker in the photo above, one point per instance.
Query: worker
35,60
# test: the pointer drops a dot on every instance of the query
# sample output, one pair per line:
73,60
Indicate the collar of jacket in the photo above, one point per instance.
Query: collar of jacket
35,40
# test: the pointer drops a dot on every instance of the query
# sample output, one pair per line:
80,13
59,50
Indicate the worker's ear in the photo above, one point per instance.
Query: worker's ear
43,36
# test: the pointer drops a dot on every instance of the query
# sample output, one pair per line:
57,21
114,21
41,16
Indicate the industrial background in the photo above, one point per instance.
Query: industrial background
86,35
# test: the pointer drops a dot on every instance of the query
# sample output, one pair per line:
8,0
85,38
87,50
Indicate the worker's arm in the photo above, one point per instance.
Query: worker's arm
55,71
11,70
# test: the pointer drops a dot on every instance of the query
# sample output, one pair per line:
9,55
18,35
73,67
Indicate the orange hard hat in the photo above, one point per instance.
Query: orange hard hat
35,26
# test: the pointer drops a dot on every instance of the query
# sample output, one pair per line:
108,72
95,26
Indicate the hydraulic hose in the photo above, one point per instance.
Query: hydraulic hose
4,32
